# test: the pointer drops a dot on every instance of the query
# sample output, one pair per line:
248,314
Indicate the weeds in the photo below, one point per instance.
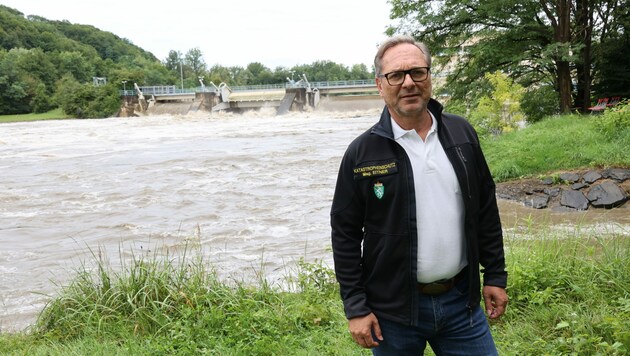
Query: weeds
569,295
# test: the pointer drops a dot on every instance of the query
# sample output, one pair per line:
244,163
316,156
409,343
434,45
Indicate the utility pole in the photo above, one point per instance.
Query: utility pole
181,73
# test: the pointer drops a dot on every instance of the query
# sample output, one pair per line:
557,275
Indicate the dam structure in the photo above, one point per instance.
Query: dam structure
291,96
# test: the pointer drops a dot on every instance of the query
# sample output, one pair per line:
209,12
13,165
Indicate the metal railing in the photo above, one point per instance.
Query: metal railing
174,90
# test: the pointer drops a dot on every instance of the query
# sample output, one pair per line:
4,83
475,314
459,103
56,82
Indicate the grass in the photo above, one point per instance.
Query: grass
177,306
569,295
567,142
56,114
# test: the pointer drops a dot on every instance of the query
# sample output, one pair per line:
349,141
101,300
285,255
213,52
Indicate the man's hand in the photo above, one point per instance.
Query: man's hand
496,301
361,330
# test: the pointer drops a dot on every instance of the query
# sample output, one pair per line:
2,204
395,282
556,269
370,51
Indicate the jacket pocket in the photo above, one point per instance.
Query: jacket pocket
386,269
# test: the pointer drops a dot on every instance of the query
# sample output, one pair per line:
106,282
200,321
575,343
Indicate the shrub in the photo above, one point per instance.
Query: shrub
540,102
615,121
86,100
499,111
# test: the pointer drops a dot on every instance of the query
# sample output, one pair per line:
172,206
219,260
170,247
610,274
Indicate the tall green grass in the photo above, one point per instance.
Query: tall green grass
176,305
569,295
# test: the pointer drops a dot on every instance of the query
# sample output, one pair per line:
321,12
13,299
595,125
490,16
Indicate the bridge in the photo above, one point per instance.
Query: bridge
285,97
325,88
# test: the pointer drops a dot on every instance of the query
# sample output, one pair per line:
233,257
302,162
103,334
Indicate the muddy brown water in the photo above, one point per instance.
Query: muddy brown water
253,191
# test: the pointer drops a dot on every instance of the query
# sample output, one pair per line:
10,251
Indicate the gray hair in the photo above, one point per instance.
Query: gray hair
394,41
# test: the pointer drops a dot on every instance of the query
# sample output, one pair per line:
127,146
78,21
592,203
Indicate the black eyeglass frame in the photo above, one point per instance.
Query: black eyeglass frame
405,72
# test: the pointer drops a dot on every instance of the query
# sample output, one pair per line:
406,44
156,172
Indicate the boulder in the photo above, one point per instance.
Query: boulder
591,177
570,177
553,192
574,199
538,201
618,174
547,181
605,188
606,195
578,186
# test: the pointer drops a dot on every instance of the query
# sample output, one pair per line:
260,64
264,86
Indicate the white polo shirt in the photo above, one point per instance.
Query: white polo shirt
439,205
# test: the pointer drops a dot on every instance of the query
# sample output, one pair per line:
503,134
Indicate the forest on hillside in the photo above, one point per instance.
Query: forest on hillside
46,64
496,61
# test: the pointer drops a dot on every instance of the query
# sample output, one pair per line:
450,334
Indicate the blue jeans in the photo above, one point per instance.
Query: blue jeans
445,322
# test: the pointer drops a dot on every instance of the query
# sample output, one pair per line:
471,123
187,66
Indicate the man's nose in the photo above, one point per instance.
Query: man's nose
407,81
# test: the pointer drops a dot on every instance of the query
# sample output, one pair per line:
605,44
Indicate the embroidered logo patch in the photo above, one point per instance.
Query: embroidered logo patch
375,170
379,190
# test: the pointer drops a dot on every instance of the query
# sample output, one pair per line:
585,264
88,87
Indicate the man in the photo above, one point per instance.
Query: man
413,216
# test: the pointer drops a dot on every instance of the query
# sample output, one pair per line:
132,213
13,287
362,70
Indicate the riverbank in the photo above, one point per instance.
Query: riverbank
570,191
56,114
569,294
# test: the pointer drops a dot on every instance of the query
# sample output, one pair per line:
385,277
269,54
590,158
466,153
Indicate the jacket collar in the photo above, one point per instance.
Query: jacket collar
384,125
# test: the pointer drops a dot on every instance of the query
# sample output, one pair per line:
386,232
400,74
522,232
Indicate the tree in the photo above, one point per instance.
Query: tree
260,74
320,71
173,60
194,61
500,110
77,65
41,101
534,41
86,100
360,71
219,74
612,54
13,92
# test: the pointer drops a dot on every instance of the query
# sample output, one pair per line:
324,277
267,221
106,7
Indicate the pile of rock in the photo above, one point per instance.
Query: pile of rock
607,188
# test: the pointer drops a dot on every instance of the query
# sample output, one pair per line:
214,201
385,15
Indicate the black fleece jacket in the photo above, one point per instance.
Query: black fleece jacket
374,239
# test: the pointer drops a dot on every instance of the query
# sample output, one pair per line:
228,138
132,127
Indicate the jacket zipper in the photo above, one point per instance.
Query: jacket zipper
464,161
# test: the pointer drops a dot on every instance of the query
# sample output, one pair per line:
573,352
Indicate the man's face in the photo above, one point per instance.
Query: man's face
409,99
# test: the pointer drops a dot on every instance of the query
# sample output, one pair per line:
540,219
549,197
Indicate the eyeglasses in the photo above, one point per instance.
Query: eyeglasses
417,74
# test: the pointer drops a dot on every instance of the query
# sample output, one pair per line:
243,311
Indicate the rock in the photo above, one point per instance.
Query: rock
538,201
606,195
549,192
591,177
547,181
552,191
574,199
618,174
578,186
570,177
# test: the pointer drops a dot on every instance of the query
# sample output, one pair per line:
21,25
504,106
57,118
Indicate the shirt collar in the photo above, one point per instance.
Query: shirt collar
400,132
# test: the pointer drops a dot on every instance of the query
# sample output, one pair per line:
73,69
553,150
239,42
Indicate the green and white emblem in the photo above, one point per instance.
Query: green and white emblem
379,190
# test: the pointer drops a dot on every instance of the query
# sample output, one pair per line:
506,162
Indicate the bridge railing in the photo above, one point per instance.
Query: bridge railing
345,83
174,90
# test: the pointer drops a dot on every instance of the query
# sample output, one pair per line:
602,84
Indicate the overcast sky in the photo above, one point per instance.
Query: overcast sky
234,32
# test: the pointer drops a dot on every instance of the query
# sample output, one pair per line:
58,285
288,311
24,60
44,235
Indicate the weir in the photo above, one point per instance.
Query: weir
292,96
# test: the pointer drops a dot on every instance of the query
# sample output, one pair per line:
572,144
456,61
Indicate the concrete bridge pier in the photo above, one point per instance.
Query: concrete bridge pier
205,101
130,105
304,98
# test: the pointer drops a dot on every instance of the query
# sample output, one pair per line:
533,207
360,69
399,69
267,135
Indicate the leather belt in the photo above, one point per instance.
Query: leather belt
442,286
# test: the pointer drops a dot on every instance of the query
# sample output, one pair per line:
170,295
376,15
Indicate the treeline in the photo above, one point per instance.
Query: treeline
46,64
191,67
567,51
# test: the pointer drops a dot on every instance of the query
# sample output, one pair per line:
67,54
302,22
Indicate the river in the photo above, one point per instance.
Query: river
253,190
